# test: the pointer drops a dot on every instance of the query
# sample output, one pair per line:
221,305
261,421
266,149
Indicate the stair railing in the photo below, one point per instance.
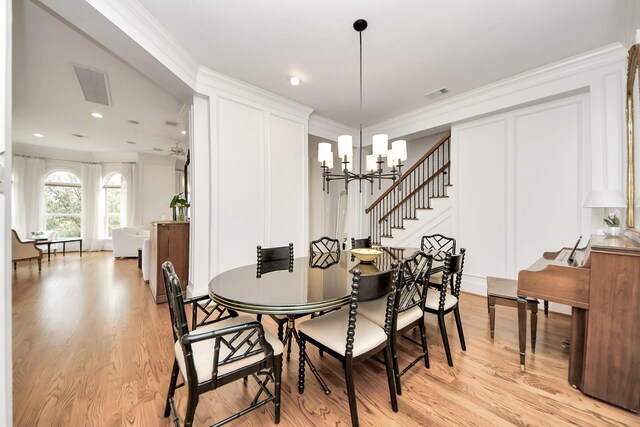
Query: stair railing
426,179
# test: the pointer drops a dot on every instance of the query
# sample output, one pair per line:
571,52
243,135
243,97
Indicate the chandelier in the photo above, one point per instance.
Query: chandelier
374,162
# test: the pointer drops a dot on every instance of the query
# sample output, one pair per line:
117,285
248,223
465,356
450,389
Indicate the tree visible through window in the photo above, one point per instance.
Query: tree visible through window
63,203
112,190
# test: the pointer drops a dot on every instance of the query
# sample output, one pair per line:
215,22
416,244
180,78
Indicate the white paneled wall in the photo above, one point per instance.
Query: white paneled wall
257,169
520,181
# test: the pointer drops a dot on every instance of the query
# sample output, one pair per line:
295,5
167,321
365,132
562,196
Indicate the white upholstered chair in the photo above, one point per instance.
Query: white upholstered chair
127,241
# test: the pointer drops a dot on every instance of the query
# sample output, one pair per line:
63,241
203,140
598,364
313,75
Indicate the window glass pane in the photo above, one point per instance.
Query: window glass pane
112,196
62,177
115,180
63,204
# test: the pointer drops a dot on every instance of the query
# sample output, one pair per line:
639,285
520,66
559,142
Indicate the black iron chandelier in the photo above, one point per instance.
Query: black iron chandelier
374,162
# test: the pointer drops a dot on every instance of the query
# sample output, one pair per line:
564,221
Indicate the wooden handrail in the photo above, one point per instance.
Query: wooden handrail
442,140
418,188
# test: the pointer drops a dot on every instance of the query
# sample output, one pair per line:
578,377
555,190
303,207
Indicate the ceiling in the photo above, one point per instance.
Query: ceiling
47,97
410,48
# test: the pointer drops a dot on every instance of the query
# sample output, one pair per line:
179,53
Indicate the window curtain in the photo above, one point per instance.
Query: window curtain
179,181
28,195
92,206
127,195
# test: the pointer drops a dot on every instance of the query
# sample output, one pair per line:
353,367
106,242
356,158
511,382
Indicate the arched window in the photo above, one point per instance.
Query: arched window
63,203
112,191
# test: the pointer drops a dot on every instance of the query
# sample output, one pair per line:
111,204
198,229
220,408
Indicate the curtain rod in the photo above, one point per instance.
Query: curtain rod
72,161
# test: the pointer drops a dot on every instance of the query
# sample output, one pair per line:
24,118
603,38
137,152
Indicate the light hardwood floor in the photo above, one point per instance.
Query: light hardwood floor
90,348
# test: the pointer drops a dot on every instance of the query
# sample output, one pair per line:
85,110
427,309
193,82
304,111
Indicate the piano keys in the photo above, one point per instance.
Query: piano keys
602,286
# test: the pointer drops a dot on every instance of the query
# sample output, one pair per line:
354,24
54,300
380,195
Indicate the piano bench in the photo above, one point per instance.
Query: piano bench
504,292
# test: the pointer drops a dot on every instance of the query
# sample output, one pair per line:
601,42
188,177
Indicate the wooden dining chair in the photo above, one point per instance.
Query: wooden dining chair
278,259
408,308
360,243
218,354
440,302
324,252
336,334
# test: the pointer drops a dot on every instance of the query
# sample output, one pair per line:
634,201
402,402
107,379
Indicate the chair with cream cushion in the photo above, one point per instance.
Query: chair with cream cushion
337,334
127,241
408,308
440,301
24,251
219,353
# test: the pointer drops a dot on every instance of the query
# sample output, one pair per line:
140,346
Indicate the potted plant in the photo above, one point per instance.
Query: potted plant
613,224
181,203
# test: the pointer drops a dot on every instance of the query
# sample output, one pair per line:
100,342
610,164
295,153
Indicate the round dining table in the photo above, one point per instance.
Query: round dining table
316,283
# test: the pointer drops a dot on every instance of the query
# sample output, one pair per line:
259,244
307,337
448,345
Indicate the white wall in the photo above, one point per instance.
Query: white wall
520,180
258,183
5,215
630,22
156,184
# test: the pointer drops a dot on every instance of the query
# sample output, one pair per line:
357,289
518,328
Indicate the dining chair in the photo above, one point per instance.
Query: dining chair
336,334
408,309
277,259
440,302
324,252
360,243
437,245
218,354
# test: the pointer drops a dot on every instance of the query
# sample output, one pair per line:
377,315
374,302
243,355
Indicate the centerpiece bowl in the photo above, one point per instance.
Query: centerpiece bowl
366,255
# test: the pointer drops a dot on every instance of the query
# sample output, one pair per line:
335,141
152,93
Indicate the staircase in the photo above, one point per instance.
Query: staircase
418,189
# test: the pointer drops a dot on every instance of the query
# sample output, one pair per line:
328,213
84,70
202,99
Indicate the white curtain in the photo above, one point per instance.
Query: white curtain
179,181
127,195
28,195
92,207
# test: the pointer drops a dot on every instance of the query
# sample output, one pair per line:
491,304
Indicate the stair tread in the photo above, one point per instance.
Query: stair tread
410,219
397,228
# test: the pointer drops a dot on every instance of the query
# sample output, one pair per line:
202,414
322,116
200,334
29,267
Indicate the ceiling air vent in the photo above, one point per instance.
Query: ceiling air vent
94,85
170,123
437,92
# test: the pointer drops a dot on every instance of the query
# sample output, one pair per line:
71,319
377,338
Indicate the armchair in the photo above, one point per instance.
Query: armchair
127,241
24,251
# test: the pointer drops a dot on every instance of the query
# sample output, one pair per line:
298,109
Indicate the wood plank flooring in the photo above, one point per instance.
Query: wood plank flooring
91,348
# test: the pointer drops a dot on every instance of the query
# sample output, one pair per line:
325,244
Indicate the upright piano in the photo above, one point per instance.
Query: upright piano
601,283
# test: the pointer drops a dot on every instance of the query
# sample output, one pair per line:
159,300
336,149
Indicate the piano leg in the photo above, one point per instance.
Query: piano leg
533,306
522,328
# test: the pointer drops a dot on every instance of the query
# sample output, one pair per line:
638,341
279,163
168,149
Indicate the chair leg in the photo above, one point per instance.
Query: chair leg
423,338
172,387
301,364
456,313
289,348
15,265
394,357
277,374
351,393
259,317
281,332
192,402
534,326
39,264
445,339
546,308
392,391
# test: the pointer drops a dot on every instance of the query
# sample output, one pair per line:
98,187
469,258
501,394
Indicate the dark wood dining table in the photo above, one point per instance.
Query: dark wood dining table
314,284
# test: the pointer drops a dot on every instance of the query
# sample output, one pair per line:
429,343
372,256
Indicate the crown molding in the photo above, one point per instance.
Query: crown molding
208,79
135,21
525,87
327,128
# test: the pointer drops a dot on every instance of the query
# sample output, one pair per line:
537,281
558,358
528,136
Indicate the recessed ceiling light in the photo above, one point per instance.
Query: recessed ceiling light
96,115
131,142
38,135
133,122
437,92
294,80
184,132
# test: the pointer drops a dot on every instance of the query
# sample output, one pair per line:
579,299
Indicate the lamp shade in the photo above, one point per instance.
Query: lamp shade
380,144
391,160
345,146
324,152
399,149
371,163
329,163
605,199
